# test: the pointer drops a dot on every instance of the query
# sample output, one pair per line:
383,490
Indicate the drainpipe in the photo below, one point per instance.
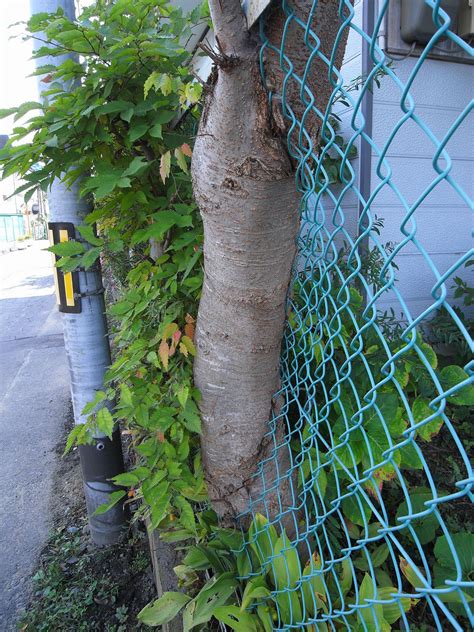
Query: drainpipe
87,345
367,106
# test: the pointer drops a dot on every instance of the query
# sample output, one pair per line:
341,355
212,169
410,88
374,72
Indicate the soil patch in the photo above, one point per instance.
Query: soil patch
77,586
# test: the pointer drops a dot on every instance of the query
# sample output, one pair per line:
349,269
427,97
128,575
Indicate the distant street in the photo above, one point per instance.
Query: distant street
34,399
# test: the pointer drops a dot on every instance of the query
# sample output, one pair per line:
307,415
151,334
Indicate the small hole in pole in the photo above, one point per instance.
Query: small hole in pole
100,446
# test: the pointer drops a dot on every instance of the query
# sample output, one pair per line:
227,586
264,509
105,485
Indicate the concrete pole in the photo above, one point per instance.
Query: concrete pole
87,345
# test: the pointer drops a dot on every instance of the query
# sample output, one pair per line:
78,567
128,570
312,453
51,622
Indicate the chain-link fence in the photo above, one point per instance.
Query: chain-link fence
377,364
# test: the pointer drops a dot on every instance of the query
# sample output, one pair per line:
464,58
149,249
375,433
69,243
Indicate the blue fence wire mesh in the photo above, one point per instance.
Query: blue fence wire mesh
376,388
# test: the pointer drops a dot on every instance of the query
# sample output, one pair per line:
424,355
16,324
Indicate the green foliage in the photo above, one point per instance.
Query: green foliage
444,330
118,118
283,587
380,399
76,588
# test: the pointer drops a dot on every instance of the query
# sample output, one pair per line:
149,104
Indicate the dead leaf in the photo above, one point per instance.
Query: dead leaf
186,149
189,330
164,353
165,165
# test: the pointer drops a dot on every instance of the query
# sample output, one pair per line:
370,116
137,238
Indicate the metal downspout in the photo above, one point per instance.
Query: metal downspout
367,107
87,346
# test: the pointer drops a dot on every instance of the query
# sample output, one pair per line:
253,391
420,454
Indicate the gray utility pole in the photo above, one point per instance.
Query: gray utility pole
87,344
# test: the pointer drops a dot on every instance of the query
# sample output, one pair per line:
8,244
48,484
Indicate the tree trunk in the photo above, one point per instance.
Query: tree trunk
245,187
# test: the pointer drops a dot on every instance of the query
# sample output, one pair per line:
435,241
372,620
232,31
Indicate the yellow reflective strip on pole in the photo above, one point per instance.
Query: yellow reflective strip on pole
68,285
55,270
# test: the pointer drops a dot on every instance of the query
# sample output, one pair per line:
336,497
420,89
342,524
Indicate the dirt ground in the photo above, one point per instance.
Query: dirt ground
78,587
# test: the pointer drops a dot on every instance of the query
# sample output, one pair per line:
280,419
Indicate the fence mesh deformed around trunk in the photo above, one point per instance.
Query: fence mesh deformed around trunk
376,378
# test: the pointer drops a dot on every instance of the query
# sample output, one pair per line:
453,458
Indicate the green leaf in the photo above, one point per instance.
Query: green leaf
52,141
256,588
429,353
182,395
236,619
285,564
191,418
156,131
7,112
371,616
67,248
181,160
262,538
412,573
215,593
379,555
463,544
126,479
426,526
265,618
393,611
453,375
98,398
106,183
135,166
159,509
357,509
163,609
78,435
189,344
90,257
197,559
114,498
137,131
164,116
289,607
126,115
27,107
421,411
313,586
186,513
409,458
88,233
113,107
105,421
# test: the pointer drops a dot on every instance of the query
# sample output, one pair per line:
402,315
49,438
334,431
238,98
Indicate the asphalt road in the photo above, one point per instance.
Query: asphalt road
34,400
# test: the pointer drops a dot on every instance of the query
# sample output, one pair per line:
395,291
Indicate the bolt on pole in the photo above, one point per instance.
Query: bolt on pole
87,345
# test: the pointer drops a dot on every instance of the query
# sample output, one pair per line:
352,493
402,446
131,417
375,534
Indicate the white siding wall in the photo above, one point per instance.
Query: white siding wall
444,221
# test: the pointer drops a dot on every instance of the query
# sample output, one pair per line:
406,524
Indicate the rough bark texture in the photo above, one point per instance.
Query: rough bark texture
299,45
244,185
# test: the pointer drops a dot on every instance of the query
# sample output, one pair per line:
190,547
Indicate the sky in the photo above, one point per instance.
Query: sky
16,86
15,63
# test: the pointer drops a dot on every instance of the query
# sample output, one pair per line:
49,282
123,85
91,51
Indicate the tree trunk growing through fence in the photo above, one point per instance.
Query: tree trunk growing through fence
244,185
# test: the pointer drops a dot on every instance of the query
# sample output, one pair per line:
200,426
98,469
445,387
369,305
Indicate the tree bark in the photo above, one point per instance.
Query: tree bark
245,187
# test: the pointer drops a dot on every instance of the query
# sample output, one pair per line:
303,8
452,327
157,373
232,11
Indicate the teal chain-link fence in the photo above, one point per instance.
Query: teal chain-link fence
377,370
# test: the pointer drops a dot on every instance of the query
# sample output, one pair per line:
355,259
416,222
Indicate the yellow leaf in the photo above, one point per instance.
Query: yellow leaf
189,344
149,83
164,353
181,160
183,349
165,165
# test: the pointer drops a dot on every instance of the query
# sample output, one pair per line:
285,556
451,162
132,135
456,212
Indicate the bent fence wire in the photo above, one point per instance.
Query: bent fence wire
376,373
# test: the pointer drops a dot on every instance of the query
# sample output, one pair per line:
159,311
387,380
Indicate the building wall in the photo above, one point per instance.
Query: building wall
443,224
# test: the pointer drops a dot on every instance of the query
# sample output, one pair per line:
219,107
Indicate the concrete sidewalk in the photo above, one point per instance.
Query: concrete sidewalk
34,400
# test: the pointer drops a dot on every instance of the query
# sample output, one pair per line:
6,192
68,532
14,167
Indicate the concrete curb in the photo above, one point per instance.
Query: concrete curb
11,246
